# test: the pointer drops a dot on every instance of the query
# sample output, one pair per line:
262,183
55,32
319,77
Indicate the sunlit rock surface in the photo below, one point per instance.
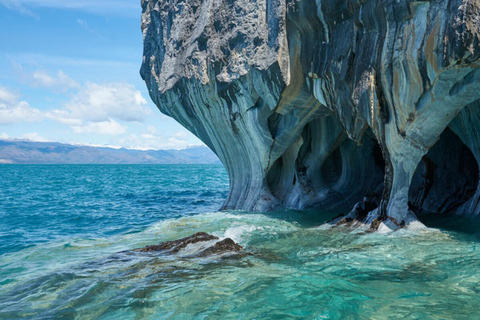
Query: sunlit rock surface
323,103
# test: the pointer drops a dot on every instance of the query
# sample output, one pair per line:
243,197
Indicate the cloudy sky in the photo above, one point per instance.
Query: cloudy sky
69,72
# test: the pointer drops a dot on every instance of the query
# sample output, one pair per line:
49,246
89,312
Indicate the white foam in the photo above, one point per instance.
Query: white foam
194,248
416,225
238,233
383,229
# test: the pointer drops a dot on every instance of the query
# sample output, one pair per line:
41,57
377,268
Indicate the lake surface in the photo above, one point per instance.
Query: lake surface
65,232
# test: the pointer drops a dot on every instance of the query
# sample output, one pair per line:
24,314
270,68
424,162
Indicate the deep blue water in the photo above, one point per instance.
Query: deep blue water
66,234
42,203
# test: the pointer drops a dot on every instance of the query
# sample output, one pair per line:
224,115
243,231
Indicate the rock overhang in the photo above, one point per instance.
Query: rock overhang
287,92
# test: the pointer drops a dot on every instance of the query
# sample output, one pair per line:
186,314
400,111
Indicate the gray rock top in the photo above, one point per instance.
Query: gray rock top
197,37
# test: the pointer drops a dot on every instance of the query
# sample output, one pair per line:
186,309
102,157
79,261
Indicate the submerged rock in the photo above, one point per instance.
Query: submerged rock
177,245
219,247
225,245
318,103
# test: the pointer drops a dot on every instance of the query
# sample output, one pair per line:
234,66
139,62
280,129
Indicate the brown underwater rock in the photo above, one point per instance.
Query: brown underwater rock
223,246
226,245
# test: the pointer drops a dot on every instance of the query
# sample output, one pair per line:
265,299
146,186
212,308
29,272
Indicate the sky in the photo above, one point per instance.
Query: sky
69,72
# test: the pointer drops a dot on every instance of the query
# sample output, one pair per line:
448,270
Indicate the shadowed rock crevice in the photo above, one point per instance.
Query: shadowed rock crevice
467,126
443,181
327,171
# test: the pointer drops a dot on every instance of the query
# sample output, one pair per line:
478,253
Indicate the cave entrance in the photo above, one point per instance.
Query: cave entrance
326,170
331,170
445,179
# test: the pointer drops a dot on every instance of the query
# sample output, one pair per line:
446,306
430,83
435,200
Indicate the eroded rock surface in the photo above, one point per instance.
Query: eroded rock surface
319,103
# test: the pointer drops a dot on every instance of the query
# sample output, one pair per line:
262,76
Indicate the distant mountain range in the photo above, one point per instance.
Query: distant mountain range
29,152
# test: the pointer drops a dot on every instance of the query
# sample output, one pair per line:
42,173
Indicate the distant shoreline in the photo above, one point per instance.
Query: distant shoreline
54,153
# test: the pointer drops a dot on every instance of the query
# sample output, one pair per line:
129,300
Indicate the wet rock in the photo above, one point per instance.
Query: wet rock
224,246
176,245
219,247
375,224
367,205
364,212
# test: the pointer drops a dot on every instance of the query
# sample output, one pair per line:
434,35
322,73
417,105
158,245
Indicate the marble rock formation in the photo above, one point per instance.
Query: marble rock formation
323,103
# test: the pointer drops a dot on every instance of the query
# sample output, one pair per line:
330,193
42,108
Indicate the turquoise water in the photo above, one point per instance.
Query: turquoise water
64,231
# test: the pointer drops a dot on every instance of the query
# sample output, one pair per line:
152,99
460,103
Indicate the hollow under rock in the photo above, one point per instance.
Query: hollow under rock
445,179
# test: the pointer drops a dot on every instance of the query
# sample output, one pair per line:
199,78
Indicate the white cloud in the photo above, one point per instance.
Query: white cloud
18,112
180,135
12,110
34,137
4,136
99,103
146,141
110,127
43,79
97,108
60,81
65,117
8,96
94,108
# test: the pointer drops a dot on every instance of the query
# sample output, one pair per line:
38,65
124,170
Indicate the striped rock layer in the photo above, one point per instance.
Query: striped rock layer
327,103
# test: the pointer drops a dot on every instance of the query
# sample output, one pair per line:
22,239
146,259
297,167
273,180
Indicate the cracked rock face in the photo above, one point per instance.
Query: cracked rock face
321,103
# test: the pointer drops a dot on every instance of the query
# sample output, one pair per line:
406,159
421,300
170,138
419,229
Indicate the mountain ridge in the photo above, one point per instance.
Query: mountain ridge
33,152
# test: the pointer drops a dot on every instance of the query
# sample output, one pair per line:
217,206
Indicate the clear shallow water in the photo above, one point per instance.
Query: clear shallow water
63,230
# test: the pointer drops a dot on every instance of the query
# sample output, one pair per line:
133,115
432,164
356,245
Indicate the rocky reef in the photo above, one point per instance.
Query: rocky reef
322,103
226,245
